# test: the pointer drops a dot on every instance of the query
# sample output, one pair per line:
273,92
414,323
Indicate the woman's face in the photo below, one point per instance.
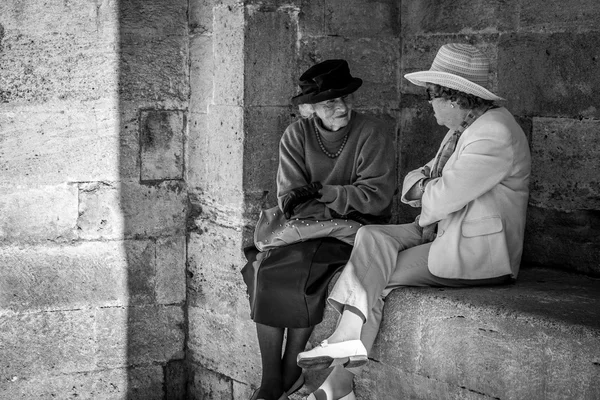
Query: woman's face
446,112
335,113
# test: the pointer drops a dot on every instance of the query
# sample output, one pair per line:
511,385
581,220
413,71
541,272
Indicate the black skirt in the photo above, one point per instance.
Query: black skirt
287,286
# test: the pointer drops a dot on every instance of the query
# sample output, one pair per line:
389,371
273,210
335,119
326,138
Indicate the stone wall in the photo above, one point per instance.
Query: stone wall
93,116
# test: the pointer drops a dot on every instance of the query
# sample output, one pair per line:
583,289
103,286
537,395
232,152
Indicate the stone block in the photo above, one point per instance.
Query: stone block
565,239
161,144
60,52
139,335
153,19
214,262
96,385
225,155
42,213
380,85
196,152
155,69
463,16
270,58
207,384
202,70
170,270
209,330
418,54
46,343
264,128
311,18
556,15
350,18
565,164
143,383
176,380
228,37
535,339
52,277
112,211
201,16
63,142
550,74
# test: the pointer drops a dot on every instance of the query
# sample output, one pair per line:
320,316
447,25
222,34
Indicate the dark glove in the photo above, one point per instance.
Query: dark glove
298,196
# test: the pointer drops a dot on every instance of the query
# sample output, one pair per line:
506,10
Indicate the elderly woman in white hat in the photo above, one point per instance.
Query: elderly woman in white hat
473,196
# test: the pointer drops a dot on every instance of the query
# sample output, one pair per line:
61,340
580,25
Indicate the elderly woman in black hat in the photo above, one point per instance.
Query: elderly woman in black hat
473,196
335,164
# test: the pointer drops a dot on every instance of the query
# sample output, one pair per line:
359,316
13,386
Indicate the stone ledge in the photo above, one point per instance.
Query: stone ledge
536,339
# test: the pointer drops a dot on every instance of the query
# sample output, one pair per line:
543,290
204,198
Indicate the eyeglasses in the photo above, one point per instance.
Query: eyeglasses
431,96
331,104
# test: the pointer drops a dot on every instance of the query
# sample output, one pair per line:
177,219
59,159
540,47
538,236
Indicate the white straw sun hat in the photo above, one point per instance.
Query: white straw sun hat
458,66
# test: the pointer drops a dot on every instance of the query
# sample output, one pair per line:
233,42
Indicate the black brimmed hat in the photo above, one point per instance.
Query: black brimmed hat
325,81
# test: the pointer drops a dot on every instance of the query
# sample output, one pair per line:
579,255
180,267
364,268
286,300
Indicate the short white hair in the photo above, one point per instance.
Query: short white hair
306,110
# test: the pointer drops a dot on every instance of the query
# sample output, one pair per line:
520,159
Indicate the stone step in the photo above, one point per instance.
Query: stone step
536,339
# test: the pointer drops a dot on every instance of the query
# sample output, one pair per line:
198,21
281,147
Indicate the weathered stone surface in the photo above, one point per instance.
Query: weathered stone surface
565,239
153,19
228,36
201,16
76,276
98,385
208,384
565,164
265,126
170,270
66,142
270,58
161,144
156,70
111,211
202,70
550,74
38,213
350,18
209,331
176,380
63,51
196,152
458,16
224,155
215,260
139,335
47,343
556,15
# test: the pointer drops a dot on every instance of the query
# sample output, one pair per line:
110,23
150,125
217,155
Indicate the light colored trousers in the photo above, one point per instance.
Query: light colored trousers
386,257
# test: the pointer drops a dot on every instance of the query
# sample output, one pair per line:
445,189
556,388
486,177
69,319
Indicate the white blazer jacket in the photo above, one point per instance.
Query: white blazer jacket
479,202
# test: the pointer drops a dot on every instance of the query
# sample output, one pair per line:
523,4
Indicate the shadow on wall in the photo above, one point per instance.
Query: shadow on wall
153,94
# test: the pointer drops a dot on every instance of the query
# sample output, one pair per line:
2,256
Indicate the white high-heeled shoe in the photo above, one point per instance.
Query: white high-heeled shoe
349,396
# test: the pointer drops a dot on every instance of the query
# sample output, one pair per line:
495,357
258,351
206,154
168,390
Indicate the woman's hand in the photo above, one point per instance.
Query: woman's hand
298,196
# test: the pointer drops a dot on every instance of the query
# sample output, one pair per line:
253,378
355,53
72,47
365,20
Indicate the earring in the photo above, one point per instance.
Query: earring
452,105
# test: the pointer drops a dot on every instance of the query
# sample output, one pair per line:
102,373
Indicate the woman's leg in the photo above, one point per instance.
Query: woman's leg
366,276
295,343
270,341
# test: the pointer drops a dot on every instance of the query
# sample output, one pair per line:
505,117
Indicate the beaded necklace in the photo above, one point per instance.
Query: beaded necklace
323,149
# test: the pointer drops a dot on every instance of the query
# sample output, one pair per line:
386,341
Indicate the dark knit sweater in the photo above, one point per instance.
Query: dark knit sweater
361,178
